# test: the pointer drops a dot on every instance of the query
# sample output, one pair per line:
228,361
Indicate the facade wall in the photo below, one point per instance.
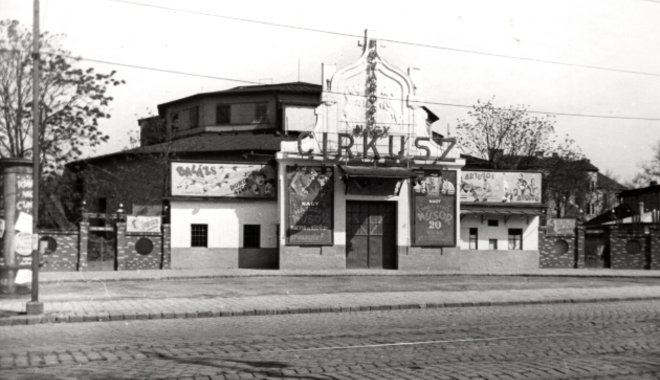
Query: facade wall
334,257
225,222
529,225
65,256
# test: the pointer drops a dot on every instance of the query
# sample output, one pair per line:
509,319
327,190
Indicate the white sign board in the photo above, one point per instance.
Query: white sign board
23,244
143,223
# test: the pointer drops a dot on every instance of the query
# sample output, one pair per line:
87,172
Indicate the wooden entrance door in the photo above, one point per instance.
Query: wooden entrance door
371,235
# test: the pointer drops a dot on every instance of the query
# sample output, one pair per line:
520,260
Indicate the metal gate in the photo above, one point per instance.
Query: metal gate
101,241
371,235
596,250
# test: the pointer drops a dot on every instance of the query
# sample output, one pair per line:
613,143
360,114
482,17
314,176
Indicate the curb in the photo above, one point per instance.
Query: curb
130,316
274,275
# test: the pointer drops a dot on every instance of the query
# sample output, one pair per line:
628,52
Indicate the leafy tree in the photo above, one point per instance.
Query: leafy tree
511,138
72,100
650,170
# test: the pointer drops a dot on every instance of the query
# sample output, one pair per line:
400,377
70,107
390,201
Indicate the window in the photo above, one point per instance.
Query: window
474,238
493,223
102,205
261,110
251,236
515,238
175,122
193,114
492,244
199,235
222,114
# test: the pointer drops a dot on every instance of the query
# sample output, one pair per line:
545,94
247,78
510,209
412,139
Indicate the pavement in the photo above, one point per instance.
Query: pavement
119,296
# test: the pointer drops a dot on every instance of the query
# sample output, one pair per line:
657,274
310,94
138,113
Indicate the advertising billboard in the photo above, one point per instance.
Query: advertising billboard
500,187
224,180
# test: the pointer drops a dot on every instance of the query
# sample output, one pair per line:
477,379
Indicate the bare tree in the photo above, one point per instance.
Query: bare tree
512,138
73,100
650,170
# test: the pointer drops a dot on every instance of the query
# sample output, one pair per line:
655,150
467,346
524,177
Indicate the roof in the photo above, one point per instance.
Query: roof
205,143
291,87
605,182
618,212
499,209
527,163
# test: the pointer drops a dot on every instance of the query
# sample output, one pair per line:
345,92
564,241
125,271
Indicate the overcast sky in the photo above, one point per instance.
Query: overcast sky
618,34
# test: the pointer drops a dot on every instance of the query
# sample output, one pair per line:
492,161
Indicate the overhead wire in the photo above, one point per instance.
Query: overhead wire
402,42
458,105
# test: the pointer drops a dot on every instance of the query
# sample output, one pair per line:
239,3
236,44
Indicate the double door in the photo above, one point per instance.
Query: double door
371,235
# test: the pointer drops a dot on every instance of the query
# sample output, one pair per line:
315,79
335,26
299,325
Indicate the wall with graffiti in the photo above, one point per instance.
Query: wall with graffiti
500,187
224,180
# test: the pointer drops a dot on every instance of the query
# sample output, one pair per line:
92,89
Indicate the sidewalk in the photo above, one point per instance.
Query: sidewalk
47,277
229,293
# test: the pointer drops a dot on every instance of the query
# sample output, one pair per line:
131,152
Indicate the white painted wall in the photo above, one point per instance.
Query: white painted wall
501,232
225,221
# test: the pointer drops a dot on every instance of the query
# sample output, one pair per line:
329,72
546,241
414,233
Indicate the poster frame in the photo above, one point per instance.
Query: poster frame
262,163
288,236
413,207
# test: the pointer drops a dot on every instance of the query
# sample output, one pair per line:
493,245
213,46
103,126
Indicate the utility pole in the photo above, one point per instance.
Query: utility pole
34,306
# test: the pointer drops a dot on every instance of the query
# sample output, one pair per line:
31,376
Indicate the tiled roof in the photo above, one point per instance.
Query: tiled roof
291,87
206,143
605,182
526,163
618,212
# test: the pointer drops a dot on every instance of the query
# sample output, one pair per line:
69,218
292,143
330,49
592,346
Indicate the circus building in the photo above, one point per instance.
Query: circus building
348,174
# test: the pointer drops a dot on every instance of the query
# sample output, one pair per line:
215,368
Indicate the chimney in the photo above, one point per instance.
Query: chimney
539,153
555,154
654,183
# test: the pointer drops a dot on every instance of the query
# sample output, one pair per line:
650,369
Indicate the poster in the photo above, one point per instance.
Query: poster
150,224
434,209
310,205
500,187
224,180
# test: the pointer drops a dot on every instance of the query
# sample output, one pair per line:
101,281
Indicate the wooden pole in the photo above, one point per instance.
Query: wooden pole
34,306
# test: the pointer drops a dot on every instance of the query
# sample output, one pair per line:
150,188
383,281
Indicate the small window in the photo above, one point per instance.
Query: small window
193,113
515,238
175,122
222,114
102,204
251,236
261,110
493,223
474,238
199,235
492,244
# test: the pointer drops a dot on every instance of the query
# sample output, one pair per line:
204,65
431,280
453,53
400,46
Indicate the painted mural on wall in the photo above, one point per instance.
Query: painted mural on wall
434,205
500,187
224,180
310,205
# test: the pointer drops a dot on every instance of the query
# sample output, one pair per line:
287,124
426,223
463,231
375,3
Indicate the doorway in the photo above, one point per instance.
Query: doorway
371,235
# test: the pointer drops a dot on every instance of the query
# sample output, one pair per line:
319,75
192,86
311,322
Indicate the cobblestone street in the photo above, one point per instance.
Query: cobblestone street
609,340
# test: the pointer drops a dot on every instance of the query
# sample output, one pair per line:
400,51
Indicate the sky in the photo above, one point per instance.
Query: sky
217,39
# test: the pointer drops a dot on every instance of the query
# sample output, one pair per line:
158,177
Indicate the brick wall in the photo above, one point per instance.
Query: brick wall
134,260
557,251
620,254
65,256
